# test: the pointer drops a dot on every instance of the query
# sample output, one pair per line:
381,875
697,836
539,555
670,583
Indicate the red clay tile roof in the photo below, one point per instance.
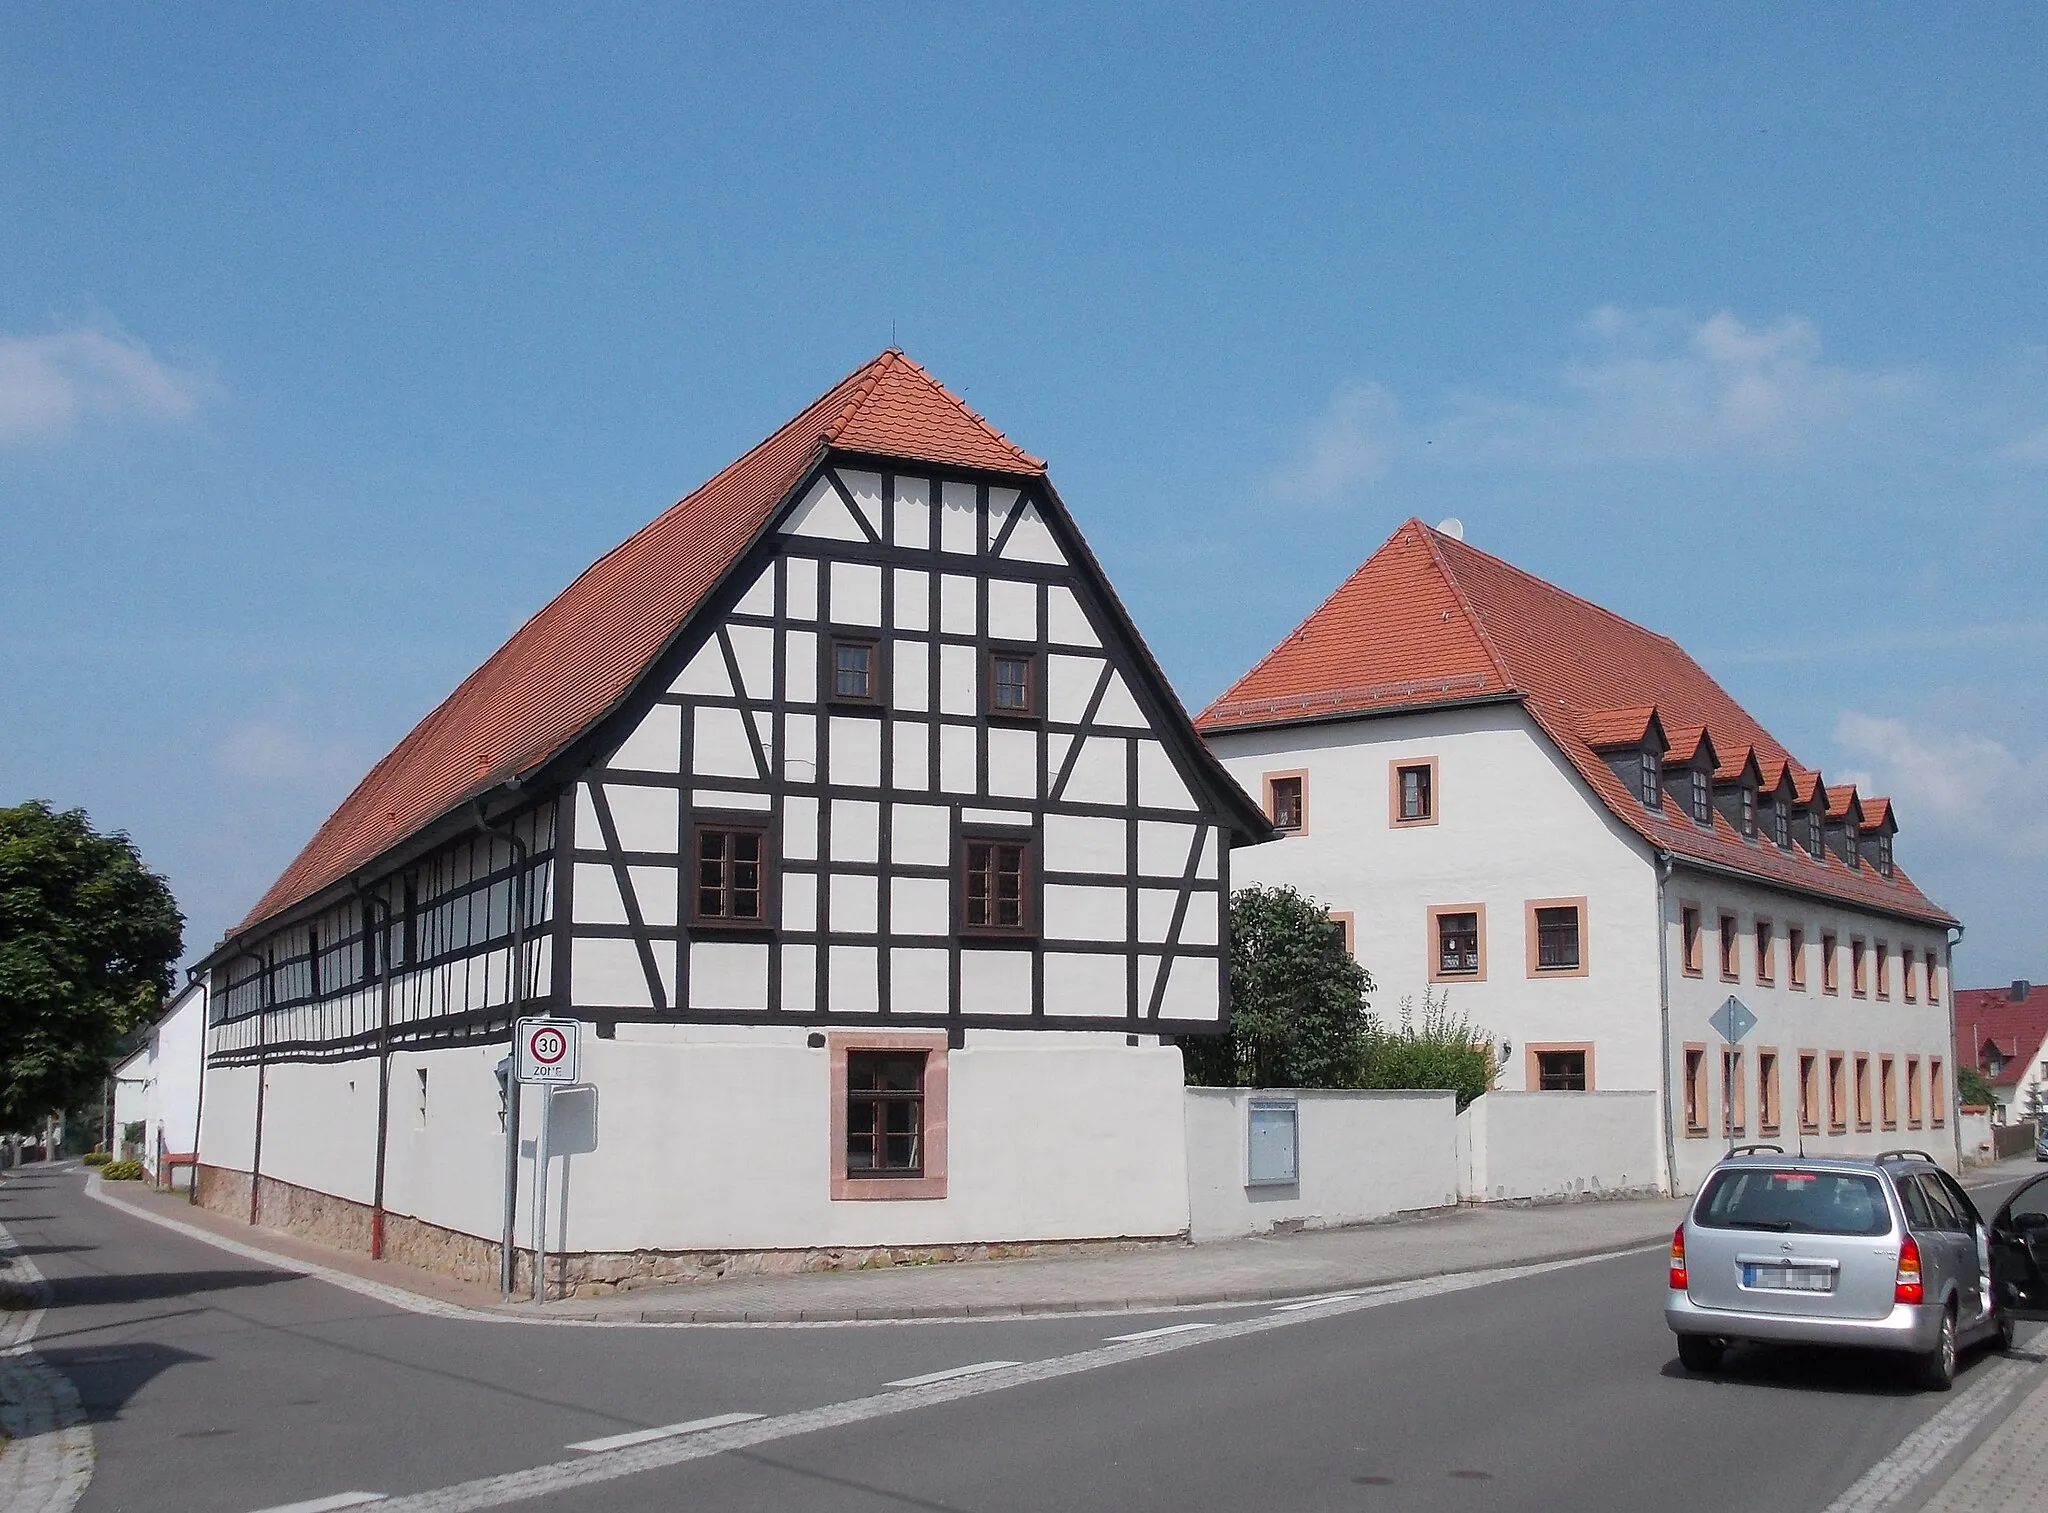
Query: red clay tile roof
1685,745
1988,1015
566,666
1876,812
1842,800
1429,620
1603,729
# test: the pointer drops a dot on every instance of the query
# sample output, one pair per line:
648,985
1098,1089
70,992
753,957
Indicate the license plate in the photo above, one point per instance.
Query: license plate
1789,1278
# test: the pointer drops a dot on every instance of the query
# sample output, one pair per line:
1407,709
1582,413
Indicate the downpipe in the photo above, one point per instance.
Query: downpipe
1666,864
1955,1064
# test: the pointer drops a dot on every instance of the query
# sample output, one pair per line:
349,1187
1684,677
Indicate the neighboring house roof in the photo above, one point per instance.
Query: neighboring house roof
569,665
1428,621
1989,1018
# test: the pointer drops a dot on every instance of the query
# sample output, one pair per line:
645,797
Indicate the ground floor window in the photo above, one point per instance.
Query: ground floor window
1562,1067
1913,1115
888,1114
1838,1096
1767,1092
1809,1093
1862,1091
1695,1090
1937,1094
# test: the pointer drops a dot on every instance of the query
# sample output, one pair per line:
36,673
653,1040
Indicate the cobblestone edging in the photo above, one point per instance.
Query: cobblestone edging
46,1459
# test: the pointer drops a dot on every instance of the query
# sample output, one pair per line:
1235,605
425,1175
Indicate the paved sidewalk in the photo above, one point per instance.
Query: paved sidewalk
2009,1471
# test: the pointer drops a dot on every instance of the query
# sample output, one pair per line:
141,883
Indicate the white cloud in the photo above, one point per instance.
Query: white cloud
266,752
2031,448
1353,443
1950,785
48,384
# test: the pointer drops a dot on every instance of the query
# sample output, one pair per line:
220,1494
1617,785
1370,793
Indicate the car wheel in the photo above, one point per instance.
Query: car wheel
1698,1353
1937,1369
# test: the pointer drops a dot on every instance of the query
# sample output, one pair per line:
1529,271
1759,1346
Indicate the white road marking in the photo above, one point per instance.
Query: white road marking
1155,1334
45,1439
955,1374
1338,1297
612,1465
328,1504
666,1431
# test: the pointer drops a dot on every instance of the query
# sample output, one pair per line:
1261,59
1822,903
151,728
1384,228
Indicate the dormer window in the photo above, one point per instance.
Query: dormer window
1651,782
1748,812
1816,834
1883,858
1849,843
1781,823
1702,797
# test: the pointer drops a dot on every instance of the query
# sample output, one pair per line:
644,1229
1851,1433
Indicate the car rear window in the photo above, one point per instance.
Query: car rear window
1794,1202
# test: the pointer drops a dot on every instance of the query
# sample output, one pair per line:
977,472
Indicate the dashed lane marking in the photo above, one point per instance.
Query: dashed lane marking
666,1431
328,1504
1307,1303
1155,1334
954,1374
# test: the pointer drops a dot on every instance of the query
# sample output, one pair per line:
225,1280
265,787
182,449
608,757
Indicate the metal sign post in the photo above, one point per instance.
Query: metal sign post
547,1052
1731,1022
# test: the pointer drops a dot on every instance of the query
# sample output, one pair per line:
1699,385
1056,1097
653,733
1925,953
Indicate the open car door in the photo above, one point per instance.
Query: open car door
2019,1252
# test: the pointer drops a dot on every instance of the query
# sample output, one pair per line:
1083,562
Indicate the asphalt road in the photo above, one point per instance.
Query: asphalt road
219,1385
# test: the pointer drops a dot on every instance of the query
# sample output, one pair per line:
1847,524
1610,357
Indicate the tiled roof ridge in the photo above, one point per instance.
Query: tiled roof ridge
895,358
1430,537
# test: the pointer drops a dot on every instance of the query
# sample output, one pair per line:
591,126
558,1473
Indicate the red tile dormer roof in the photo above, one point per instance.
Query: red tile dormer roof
1429,620
566,667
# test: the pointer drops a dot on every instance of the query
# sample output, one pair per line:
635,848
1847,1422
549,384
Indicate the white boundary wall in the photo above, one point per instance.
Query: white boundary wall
1557,1145
1362,1156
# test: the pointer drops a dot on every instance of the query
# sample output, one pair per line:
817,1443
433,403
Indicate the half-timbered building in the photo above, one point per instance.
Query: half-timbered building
845,808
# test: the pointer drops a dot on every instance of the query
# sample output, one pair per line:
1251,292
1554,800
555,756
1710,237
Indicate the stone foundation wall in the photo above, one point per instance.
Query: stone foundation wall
345,1224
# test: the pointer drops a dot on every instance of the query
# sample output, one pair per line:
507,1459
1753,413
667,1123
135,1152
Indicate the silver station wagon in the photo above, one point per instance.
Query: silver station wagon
1886,1252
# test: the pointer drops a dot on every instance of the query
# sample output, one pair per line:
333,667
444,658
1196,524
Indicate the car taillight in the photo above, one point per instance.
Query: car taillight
1907,1288
1678,1259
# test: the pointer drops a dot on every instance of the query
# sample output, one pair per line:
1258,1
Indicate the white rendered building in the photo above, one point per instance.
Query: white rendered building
1560,820
844,807
157,1086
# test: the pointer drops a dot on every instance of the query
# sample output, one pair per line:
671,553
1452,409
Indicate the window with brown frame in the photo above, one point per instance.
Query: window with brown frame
1766,1092
1557,938
1417,796
1284,802
1731,950
1561,1071
1830,975
1883,955
1809,1092
1795,958
1689,939
1838,1094
1909,975
1888,1091
1937,1094
1012,684
885,1114
731,885
1695,1090
1914,1114
1766,953
1734,1094
856,675
1862,1091
1933,986
1457,945
1859,968
995,894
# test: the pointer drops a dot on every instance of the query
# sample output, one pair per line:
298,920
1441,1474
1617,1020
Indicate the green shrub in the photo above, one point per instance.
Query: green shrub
95,1158
122,1171
1439,1052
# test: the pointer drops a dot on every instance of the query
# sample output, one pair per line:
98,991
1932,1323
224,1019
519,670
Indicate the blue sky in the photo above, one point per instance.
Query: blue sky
335,340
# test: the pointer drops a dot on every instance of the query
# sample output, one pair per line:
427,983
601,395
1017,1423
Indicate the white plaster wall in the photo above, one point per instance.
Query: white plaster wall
320,1125
1514,822
1361,1155
227,1136
176,1069
449,1168
1551,1145
132,1098
1974,1135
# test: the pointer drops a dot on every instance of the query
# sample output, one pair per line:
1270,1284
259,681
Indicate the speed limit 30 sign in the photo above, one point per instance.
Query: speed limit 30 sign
547,1050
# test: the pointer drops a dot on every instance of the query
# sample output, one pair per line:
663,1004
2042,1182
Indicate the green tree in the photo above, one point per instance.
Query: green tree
88,937
1298,1011
1972,1086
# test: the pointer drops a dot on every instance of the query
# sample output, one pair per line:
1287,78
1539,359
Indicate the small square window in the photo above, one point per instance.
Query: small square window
854,672
885,1114
1457,944
1284,802
1561,1071
1557,938
731,875
1012,683
1417,799
994,894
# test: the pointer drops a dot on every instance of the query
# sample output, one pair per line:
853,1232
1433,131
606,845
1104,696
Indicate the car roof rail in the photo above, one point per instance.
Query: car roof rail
1749,1150
1905,1155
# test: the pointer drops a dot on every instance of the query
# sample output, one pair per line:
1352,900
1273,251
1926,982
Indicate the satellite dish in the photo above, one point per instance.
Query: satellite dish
1453,527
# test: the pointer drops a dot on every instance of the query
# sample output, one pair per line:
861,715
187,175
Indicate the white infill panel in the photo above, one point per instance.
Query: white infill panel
1163,848
914,513
656,744
1012,610
597,895
800,901
918,980
719,746
608,973
1012,763
1099,775
1069,685
913,609
800,667
705,674
799,978
956,759
920,906
1000,503
728,974
1077,844
956,604
910,683
1031,541
753,648
1119,708
920,835
799,828
759,599
957,519
822,514
1075,912
1198,928
1085,987
1066,623
853,903
648,819
959,683
1159,781
854,757
1205,867
654,890
855,982
800,748
994,981
1155,913
912,756
801,594
856,831
1193,990
856,593
866,492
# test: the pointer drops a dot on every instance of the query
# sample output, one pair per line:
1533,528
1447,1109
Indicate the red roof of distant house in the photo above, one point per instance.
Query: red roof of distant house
1988,1016
1429,620
566,666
